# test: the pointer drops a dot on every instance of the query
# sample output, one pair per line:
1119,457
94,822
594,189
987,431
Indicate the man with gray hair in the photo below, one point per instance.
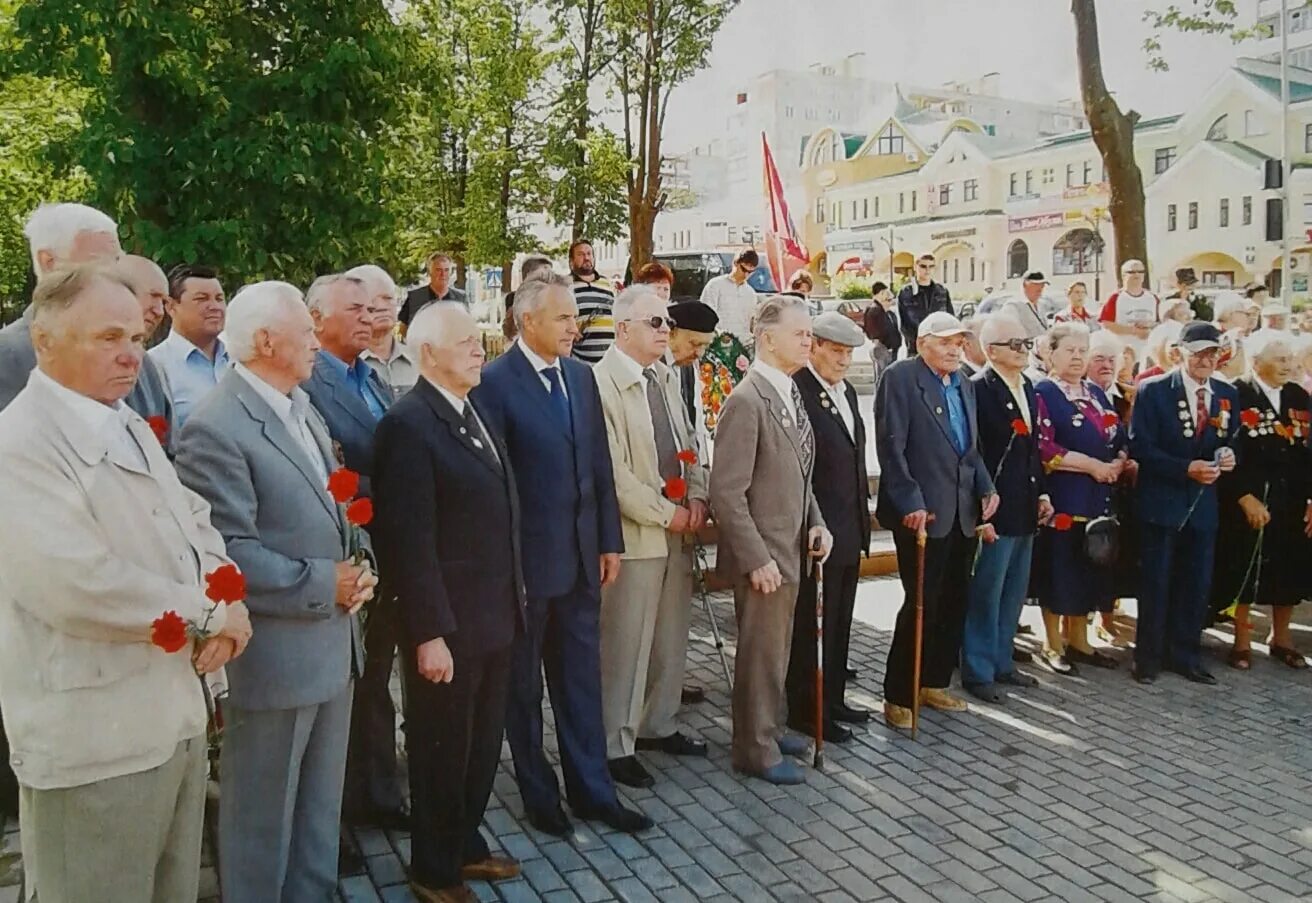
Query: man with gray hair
387,355
352,398
770,528
261,456
440,268
662,499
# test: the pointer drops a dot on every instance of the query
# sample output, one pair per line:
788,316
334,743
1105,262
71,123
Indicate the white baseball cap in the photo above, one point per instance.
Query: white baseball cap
941,324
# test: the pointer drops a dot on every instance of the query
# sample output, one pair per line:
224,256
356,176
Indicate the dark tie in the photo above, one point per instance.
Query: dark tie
559,403
667,456
688,383
805,438
480,438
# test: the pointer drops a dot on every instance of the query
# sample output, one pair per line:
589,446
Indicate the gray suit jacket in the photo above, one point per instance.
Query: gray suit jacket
760,492
918,465
17,359
286,534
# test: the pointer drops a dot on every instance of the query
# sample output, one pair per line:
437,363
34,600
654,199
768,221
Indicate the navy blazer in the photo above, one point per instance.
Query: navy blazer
566,486
446,523
1157,441
919,467
838,478
1019,476
348,418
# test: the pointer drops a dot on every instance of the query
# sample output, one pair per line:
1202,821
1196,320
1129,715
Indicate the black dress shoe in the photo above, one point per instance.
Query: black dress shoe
1196,675
676,744
349,860
387,819
629,772
621,819
1143,675
553,822
834,732
852,673
849,715
693,695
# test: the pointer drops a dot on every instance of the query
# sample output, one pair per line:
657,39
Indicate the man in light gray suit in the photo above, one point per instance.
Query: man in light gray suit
931,478
769,522
256,450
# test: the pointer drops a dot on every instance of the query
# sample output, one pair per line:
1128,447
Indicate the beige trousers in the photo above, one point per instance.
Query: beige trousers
760,666
130,839
644,647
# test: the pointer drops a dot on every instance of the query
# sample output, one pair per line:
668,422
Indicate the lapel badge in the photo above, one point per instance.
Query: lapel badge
463,431
1010,406
477,444
938,410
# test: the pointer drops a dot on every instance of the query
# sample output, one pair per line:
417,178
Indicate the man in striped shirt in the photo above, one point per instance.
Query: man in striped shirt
596,300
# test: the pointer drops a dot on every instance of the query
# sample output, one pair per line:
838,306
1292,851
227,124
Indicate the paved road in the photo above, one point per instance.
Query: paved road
1085,789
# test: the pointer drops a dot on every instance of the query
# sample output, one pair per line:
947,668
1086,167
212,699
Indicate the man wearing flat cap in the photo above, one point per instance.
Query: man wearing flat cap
932,478
1180,433
842,489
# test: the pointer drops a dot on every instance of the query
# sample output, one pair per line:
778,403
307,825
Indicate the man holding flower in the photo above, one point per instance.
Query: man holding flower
102,541
661,489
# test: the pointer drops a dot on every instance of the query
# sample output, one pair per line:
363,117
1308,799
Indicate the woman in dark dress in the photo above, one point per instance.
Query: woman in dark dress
1266,517
1082,446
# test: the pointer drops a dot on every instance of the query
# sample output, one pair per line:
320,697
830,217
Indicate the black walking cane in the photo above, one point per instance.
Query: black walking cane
818,761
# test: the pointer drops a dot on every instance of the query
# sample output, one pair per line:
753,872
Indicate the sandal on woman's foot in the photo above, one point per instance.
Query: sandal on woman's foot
1291,657
1240,659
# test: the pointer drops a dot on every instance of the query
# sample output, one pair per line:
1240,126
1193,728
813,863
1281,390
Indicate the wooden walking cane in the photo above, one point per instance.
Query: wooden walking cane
921,538
818,761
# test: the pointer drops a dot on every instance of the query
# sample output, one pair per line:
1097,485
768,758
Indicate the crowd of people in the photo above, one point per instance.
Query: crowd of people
294,489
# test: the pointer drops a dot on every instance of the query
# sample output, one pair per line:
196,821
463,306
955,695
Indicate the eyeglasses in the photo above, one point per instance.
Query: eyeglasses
924,266
1135,272
1014,344
653,322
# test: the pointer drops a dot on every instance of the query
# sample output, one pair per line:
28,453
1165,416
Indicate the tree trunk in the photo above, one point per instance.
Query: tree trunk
1113,134
642,223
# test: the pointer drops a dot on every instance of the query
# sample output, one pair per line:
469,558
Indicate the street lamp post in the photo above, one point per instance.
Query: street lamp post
889,241
1286,267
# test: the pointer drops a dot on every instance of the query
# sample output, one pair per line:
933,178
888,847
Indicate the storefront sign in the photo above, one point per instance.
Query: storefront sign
1084,191
1035,222
955,233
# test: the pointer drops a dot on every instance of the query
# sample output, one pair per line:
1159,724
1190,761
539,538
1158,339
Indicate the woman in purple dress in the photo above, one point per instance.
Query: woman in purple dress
1082,446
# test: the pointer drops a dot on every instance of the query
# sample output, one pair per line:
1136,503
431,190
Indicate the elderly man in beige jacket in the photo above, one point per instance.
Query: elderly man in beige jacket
770,528
107,730
661,489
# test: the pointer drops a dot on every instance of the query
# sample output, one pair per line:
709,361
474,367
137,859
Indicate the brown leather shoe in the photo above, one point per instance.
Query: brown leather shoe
897,716
458,894
493,868
942,700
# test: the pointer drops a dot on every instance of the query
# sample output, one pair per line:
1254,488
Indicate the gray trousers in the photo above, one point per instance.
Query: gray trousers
282,772
760,666
130,839
644,647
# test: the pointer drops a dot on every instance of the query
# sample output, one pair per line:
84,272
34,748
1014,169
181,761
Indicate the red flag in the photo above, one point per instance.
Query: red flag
781,235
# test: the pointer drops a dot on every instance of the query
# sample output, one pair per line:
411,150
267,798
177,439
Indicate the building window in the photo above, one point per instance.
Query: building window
1015,184
1029,182
865,208
970,192
788,112
876,208
853,209
1163,157
1088,173
1048,176
901,202
838,215
1220,130
1307,208
913,201
1247,210
956,270
1073,253
1224,218
1193,214
1307,138
890,142
1170,217
1252,124
1018,259
820,210
972,269
945,194
1070,175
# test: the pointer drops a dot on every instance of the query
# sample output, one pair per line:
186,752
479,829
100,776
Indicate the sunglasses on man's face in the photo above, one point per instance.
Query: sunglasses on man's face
653,322
1014,344
924,266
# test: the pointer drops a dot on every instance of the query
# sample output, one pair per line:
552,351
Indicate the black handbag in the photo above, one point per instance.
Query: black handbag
1102,540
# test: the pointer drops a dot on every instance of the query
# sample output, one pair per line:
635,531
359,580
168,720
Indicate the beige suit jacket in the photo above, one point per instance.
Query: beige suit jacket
760,494
644,511
93,548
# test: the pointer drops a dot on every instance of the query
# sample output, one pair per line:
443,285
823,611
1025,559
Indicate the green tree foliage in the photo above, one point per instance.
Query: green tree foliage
255,136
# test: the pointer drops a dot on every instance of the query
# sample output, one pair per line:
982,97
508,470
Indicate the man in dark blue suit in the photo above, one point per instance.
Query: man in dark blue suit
1182,425
351,397
447,526
546,407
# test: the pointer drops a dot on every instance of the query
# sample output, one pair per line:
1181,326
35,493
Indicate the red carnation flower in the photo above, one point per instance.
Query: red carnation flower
1225,404
159,426
225,584
687,456
169,632
1250,418
676,488
1020,427
343,485
360,512
1062,522
1110,420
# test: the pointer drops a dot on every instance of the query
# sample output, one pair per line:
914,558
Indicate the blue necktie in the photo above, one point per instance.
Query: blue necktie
559,403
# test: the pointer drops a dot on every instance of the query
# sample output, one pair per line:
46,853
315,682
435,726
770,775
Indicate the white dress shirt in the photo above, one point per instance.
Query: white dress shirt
780,381
539,365
1272,395
1017,390
292,410
734,304
1191,388
103,419
838,398
460,404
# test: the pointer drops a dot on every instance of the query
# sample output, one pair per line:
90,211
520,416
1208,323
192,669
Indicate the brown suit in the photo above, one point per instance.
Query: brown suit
764,507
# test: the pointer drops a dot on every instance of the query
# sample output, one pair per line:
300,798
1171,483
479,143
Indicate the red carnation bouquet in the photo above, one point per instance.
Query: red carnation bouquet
171,632
343,485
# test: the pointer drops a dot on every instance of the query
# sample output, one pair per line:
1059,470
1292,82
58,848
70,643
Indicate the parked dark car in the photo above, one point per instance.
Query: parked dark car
693,269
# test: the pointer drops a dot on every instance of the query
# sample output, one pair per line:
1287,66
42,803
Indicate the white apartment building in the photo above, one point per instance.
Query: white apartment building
1299,39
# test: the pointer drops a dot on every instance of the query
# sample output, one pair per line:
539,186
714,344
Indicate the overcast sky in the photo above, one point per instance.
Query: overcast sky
1031,43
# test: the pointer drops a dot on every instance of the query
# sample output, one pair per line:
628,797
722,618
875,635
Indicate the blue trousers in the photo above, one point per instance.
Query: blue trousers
1175,583
564,638
997,592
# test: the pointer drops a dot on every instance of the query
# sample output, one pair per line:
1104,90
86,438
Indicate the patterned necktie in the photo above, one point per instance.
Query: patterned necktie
667,455
1200,412
559,403
805,438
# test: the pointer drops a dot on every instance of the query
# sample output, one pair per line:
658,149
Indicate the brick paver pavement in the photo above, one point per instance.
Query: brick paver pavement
1087,788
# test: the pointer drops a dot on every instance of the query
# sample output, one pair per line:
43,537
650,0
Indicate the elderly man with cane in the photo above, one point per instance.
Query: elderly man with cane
933,481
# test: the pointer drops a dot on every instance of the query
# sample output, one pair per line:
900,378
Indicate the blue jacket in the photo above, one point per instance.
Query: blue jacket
570,516
1158,442
1018,477
348,418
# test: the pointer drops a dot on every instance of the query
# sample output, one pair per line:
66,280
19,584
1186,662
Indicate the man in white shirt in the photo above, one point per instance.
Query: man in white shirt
1131,312
387,355
193,357
733,299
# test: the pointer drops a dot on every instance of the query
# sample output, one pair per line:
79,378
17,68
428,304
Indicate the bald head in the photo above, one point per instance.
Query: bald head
149,284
